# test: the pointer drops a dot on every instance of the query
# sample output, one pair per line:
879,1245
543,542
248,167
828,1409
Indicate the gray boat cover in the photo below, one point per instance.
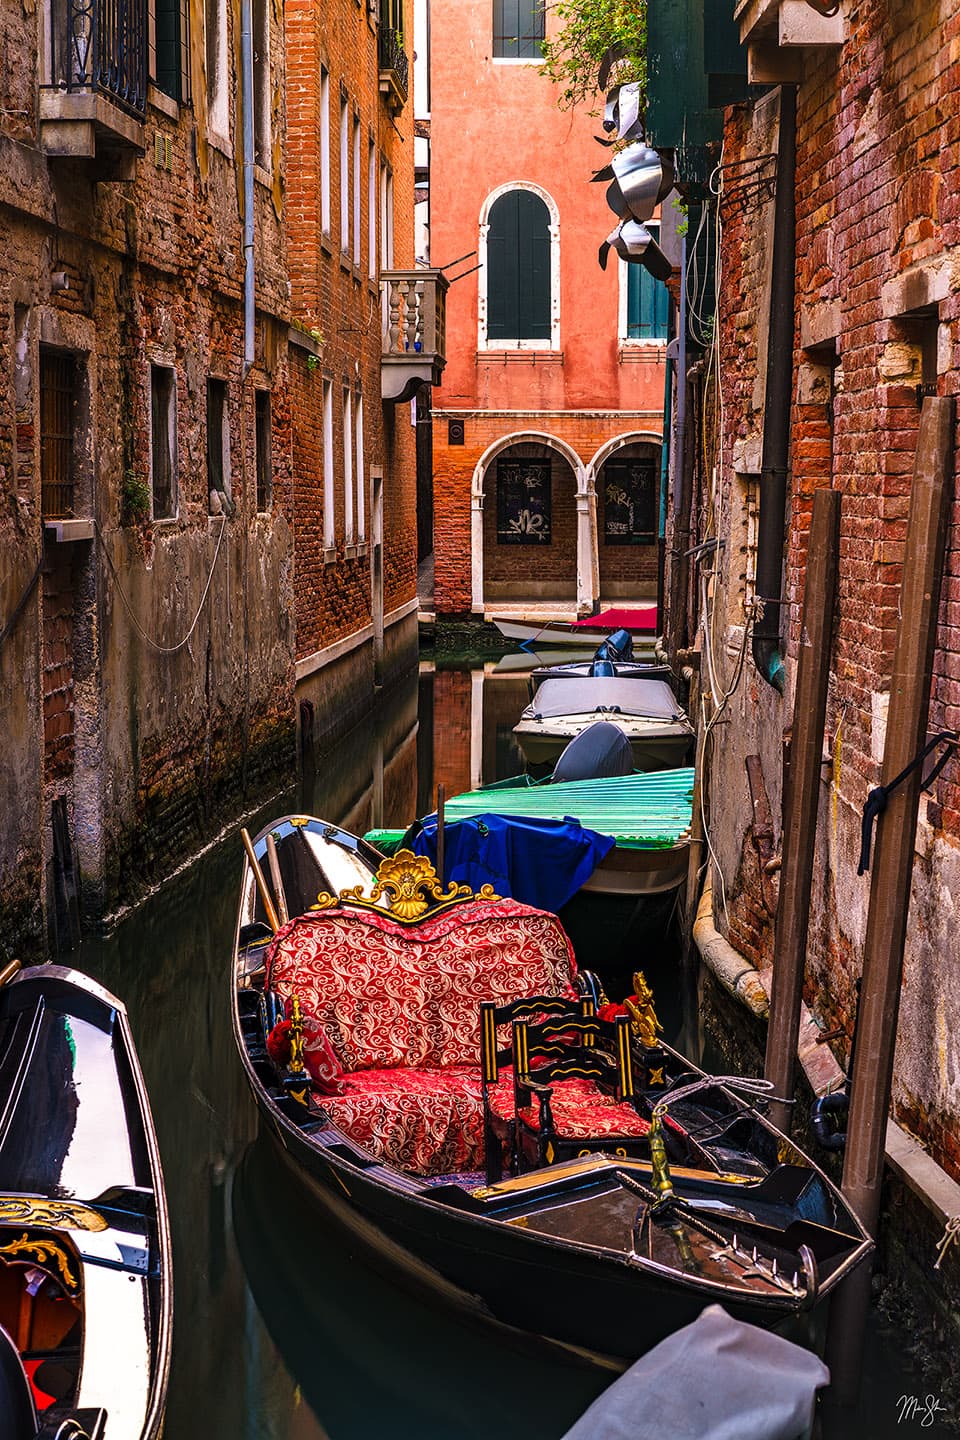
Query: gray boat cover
717,1379
652,698
596,753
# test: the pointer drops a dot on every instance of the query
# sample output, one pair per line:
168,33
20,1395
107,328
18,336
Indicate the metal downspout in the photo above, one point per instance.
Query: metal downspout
776,410
246,91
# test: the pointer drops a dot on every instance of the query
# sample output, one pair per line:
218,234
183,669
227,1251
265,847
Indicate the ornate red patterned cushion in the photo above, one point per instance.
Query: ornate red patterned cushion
582,1110
429,1122
390,995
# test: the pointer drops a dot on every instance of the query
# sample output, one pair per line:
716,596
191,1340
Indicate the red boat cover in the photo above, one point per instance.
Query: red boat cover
642,618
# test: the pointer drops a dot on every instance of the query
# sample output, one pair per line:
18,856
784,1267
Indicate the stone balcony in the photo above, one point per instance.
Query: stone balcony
94,91
394,68
414,331
777,32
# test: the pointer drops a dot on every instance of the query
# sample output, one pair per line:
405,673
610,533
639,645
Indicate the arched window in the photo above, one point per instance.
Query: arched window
518,268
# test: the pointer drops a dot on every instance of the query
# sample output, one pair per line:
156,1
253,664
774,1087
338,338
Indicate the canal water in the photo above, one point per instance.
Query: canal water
281,1332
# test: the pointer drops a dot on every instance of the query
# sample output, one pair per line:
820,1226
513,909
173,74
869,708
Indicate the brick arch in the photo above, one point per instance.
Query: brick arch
587,564
622,568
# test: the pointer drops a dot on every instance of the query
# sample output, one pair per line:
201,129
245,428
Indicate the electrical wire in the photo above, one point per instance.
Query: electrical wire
148,639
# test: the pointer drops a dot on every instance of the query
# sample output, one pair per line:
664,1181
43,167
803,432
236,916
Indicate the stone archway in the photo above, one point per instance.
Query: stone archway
625,476
530,443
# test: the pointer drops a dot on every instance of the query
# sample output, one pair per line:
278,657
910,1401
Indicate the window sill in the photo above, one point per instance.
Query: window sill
349,552
346,264
326,244
329,554
654,350
221,143
160,100
263,177
517,59
361,549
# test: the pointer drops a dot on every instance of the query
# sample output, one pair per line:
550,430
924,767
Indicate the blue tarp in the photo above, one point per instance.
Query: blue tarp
541,862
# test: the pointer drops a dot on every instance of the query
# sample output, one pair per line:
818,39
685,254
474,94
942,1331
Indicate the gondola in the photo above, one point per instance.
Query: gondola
606,1251
86,1290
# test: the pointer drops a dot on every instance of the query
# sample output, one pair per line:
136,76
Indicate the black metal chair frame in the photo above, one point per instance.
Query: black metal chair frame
499,1134
588,1048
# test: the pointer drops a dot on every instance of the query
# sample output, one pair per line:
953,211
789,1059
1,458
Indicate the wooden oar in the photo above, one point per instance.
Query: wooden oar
11,968
265,896
275,876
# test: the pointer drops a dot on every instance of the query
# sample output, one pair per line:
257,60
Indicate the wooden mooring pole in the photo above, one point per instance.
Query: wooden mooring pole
801,800
890,876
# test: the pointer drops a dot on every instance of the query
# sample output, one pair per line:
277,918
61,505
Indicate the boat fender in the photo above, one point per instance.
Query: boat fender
828,1119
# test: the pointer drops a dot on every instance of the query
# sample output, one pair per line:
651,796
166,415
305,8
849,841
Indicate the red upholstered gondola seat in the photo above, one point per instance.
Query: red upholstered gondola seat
399,1004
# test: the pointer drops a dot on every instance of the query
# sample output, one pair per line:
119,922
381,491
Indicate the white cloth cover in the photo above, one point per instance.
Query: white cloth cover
717,1379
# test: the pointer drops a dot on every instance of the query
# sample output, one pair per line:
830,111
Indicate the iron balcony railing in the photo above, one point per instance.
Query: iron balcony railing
100,47
393,59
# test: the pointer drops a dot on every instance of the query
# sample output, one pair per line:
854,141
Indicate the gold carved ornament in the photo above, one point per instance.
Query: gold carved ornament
412,887
50,1214
639,1007
46,1252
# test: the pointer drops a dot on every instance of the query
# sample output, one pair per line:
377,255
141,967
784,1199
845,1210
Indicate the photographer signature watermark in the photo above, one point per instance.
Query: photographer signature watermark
922,1410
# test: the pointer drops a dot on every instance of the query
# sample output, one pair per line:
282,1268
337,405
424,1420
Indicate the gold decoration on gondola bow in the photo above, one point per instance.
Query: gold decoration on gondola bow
411,886
49,1214
46,1252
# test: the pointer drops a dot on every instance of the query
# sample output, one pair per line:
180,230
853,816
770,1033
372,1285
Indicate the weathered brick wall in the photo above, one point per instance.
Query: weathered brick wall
878,313
168,739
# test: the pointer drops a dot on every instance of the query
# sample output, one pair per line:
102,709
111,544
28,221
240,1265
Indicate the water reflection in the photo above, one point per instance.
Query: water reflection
288,1335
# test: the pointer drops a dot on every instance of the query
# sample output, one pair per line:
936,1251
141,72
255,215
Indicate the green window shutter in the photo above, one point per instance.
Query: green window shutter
518,268
648,303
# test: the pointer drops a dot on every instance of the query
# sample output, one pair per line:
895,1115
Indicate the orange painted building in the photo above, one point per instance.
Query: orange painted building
547,427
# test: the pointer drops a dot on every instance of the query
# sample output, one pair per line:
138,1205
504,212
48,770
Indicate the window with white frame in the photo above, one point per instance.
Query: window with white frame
644,301
518,29
372,208
356,189
386,215
348,530
344,174
519,255
163,441
218,75
361,477
329,514
325,150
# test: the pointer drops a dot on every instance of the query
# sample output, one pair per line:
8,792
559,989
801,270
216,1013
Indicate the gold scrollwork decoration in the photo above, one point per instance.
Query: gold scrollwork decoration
299,821
296,1064
45,1252
411,886
49,1214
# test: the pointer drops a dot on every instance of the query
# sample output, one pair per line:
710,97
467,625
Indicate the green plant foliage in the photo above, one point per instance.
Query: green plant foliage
588,28
135,499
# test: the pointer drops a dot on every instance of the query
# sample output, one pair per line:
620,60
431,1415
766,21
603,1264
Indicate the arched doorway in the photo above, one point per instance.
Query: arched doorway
532,526
627,483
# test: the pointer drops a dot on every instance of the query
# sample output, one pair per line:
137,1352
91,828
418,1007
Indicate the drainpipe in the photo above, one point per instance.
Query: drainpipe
678,588
246,90
668,371
776,410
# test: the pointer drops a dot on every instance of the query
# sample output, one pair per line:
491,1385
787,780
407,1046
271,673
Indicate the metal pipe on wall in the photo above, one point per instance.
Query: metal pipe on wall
776,410
247,108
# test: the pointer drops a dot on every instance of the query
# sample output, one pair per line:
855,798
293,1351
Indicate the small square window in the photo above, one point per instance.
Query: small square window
518,29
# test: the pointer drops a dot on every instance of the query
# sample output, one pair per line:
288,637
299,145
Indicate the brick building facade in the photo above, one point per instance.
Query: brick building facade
550,376
349,219
877,326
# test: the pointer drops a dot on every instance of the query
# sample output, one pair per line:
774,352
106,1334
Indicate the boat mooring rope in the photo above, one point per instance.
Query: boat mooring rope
747,1085
950,1236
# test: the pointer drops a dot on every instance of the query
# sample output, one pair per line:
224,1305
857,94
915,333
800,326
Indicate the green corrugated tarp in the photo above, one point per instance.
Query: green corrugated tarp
642,812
